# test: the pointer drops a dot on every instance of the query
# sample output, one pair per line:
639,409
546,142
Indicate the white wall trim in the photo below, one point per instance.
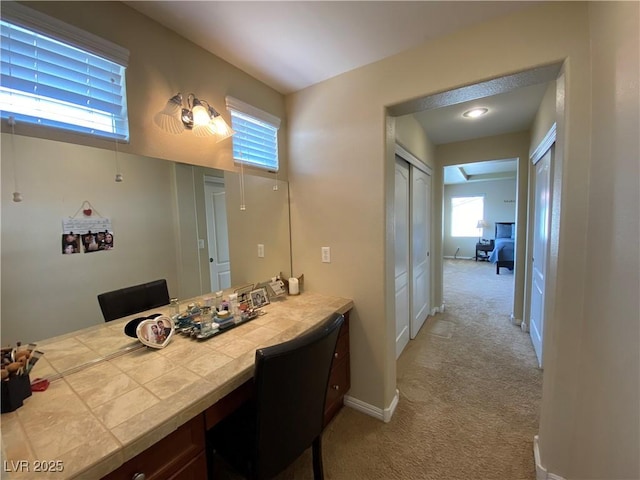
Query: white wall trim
541,472
544,145
412,159
375,412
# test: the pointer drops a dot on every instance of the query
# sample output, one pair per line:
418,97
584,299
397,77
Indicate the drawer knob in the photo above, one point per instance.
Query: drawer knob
335,355
138,476
335,387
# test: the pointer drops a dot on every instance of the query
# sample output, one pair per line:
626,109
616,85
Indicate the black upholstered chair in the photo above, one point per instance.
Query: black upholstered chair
130,300
285,417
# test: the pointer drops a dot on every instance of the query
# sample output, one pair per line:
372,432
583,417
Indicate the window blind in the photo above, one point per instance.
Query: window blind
256,140
48,82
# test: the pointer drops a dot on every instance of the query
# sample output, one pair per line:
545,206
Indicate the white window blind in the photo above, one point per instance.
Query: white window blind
465,213
256,140
47,79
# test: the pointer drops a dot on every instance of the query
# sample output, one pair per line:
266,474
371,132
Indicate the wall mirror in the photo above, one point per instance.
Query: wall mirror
168,221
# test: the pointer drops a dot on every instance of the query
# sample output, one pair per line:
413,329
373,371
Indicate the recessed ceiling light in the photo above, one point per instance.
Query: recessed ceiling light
475,113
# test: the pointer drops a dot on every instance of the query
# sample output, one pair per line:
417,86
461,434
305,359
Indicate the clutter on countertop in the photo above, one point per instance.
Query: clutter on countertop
17,362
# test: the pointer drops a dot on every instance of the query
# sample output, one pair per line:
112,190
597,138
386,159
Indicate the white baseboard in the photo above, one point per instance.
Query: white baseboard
514,320
458,258
375,412
541,472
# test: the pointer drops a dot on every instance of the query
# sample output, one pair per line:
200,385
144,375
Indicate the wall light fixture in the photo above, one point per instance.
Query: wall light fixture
198,116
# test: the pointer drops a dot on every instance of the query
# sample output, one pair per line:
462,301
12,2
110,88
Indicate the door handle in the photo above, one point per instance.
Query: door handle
210,260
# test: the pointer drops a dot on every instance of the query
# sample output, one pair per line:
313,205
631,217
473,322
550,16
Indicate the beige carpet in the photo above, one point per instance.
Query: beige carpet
469,396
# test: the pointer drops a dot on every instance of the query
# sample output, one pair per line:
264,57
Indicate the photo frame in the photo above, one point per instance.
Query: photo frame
155,332
259,297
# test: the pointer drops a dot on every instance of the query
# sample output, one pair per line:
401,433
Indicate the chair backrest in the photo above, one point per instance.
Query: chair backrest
291,385
130,300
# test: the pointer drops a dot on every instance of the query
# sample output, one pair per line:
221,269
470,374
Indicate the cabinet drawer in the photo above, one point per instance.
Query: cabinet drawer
196,468
342,349
339,384
168,456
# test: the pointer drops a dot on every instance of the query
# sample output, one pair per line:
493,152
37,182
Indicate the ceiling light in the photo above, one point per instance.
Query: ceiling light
475,113
198,116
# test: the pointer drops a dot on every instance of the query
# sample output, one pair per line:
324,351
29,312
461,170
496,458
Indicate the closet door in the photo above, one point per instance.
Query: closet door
420,248
401,227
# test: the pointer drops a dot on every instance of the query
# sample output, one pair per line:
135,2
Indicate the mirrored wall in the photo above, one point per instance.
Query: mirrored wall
159,220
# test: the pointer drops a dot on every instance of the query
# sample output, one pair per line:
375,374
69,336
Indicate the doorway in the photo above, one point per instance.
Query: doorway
217,234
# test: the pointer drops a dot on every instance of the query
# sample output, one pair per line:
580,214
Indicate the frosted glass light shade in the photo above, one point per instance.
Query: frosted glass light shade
168,119
200,116
203,130
223,130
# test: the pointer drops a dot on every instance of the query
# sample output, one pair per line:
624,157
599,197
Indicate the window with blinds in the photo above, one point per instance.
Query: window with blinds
255,142
50,82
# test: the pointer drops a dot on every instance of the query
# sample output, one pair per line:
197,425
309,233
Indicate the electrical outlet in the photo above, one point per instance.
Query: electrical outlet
326,254
260,250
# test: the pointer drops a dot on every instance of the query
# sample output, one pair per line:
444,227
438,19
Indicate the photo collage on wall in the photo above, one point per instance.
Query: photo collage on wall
86,235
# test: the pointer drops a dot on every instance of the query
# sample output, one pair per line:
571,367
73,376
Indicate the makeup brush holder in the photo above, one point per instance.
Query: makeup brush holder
14,391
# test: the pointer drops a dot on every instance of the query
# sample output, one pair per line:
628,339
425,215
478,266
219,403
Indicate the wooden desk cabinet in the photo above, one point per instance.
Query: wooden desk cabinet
178,456
181,454
340,378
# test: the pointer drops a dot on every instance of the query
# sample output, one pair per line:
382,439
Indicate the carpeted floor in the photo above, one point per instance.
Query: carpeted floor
469,396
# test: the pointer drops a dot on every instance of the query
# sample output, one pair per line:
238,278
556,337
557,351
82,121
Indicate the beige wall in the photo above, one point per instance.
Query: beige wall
607,411
411,135
545,117
265,220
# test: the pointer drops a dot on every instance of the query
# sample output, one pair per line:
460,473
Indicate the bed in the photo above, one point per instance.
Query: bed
504,251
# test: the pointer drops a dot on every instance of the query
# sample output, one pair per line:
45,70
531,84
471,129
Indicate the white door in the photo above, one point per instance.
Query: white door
218,236
420,248
541,219
401,229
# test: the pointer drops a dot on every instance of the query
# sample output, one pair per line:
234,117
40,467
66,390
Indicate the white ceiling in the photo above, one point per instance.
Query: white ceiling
290,45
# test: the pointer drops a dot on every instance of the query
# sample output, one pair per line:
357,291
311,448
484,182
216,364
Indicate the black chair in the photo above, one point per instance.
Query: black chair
285,417
130,300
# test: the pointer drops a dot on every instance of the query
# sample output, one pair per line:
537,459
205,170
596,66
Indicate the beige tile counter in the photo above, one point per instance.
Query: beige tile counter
95,419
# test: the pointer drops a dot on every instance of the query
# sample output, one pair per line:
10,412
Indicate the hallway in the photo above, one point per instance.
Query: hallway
469,396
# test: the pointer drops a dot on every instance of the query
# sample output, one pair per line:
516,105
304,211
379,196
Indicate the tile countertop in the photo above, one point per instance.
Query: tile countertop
94,420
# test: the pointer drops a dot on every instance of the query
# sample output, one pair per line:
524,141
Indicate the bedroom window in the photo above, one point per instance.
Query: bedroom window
56,75
465,213
256,140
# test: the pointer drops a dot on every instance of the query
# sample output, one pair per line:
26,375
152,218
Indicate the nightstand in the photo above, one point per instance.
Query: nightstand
483,250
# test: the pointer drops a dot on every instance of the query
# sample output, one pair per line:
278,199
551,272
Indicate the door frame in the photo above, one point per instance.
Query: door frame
403,316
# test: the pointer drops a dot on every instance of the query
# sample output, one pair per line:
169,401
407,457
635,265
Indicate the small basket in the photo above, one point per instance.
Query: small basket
14,391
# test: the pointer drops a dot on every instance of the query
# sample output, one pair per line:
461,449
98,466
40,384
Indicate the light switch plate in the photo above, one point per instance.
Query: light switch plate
201,243
260,250
326,254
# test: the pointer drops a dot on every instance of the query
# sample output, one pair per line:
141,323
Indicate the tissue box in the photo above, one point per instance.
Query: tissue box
14,391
